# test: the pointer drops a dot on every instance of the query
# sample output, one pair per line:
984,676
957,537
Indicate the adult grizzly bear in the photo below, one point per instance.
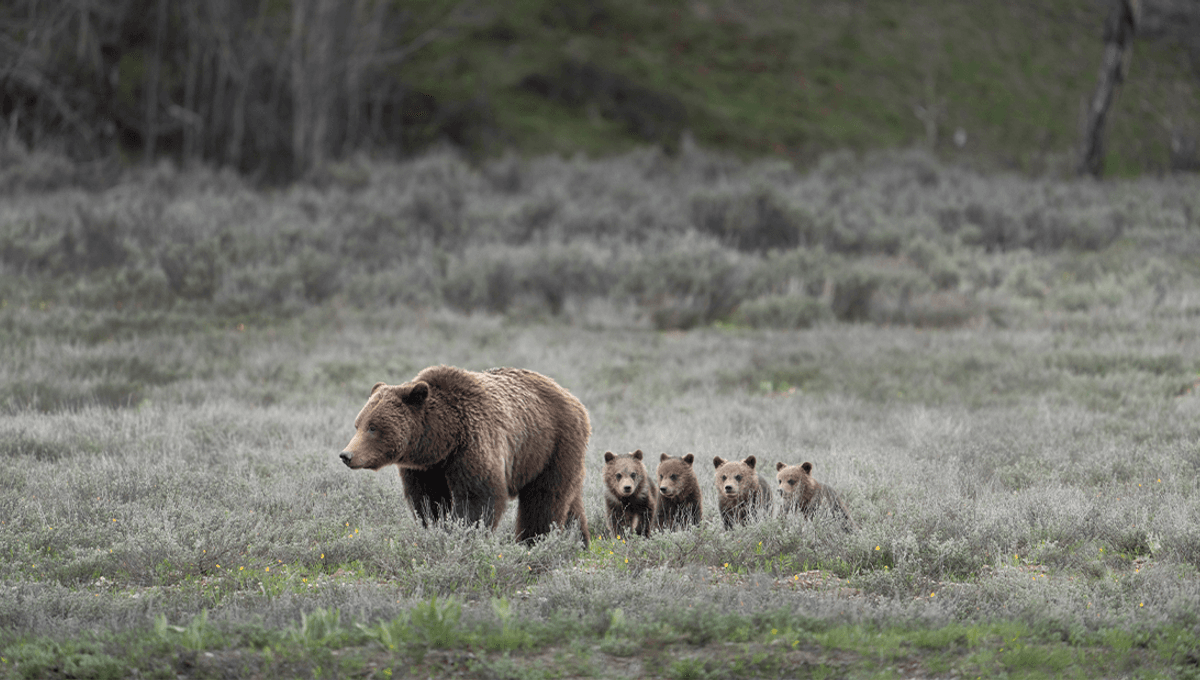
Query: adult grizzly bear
679,503
740,490
630,499
466,442
799,491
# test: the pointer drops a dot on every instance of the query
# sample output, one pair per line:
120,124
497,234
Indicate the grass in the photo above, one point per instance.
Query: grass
432,637
209,499
1023,473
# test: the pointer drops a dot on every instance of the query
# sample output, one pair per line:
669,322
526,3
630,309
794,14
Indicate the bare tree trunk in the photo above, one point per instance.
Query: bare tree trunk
192,28
219,18
1119,30
238,123
301,99
366,32
314,90
151,122
325,92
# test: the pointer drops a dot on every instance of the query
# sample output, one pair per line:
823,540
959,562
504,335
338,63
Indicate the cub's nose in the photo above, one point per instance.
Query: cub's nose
628,488
662,489
728,489
346,456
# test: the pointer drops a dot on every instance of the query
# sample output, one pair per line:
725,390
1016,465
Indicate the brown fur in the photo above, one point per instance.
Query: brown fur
466,442
799,491
679,503
741,491
629,496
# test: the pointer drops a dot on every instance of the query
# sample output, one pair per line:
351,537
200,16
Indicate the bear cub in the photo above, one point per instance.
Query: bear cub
631,500
799,491
679,504
741,491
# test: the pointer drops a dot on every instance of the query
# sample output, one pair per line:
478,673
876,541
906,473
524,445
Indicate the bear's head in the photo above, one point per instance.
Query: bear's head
392,429
624,475
796,482
675,475
735,478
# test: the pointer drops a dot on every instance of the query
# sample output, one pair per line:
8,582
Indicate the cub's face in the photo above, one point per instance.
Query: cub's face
793,479
675,474
735,478
624,474
386,429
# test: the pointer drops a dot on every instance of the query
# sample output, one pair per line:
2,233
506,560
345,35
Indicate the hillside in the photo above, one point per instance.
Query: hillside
798,79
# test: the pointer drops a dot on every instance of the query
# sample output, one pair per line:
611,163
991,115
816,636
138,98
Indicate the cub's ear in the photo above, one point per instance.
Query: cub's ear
638,454
663,457
780,465
718,462
807,467
608,456
417,394
749,460
689,459
377,386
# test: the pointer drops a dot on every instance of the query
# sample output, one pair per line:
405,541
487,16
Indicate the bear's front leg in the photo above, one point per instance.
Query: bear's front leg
473,508
428,494
475,499
642,522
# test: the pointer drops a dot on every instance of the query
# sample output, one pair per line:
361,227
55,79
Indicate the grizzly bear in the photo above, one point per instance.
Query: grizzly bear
629,497
679,502
740,490
799,491
466,442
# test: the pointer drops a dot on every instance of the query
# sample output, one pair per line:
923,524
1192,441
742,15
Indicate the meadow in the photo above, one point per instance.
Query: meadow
998,374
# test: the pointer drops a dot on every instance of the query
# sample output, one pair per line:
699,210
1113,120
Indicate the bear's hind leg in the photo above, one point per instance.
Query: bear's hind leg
534,513
541,504
576,514
479,504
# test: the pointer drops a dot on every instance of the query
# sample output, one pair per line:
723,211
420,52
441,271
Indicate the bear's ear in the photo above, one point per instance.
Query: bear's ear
718,462
377,386
638,454
416,395
608,456
689,459
750,460
780,465
663,457
807,467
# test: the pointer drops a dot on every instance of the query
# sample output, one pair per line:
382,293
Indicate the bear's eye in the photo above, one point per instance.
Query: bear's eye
674,478
738,478
792,482
370,428
618,475
633,475
723,478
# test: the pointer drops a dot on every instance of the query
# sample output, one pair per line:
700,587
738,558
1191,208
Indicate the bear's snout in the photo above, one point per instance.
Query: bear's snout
346,456
664,491
729,489
627,490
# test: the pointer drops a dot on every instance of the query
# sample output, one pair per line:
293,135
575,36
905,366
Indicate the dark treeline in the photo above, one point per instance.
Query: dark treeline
272,88
275,88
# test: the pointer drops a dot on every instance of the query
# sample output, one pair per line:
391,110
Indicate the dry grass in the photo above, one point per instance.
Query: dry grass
1035,463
